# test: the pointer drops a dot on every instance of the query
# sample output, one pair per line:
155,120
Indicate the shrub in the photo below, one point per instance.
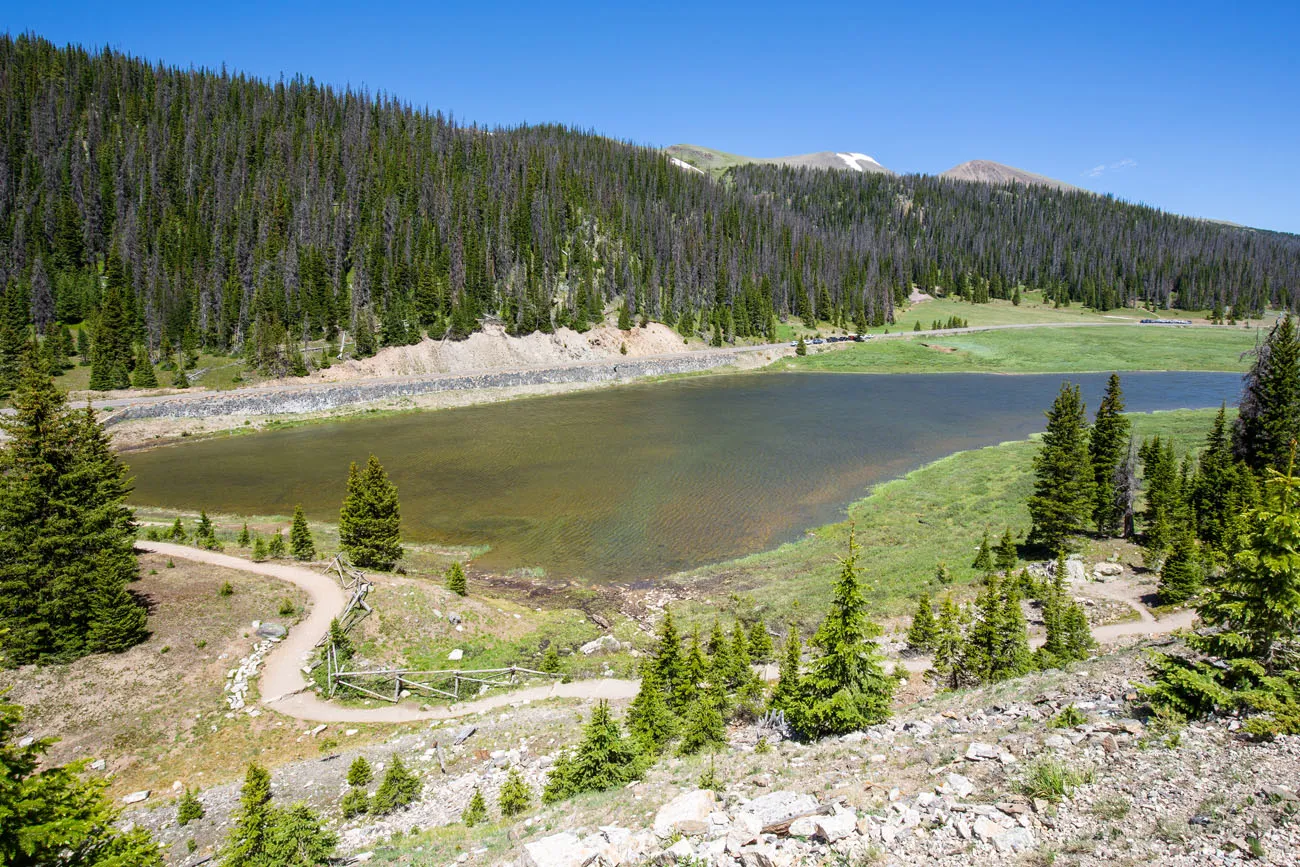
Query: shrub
359,773
1068,717
1052,781
475,811
515,795
189,809
399,788
226,589
456,582
355,803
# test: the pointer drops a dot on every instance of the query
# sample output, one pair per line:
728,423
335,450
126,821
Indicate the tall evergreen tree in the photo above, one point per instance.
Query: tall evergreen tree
301,543
983,556
1062,503
949,643
1248,657
1180,577
760,643
846,688
1268,418
788,692
649,721
922,633
66,537
143,376
370,521
1006,556
1107,447
668,664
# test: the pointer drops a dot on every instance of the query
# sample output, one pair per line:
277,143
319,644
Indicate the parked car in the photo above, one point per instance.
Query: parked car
817,341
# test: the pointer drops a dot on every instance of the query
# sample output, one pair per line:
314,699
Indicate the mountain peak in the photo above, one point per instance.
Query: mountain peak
989,172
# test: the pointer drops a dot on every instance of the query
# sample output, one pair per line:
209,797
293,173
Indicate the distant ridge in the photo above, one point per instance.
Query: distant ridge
715,162
989,172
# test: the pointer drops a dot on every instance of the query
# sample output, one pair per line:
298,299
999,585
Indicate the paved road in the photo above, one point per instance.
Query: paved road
283,685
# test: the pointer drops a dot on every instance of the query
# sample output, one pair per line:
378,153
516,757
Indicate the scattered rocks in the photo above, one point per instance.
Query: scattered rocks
557,850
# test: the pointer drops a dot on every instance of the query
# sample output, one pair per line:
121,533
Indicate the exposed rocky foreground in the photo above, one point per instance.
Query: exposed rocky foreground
945,782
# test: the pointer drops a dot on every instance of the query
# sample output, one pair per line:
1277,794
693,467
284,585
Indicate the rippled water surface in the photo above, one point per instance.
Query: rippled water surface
629,483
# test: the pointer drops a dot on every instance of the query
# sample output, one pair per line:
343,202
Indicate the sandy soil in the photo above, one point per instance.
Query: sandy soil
493,349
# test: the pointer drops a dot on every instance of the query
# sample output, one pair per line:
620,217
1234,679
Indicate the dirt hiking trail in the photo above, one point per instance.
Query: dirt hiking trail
284,688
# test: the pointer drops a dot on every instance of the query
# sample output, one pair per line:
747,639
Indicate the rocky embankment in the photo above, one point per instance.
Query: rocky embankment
1055,768
322,397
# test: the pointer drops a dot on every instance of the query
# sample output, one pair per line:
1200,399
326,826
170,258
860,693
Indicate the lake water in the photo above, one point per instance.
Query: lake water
629,483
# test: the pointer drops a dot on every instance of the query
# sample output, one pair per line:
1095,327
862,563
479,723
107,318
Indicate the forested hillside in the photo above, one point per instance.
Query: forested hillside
984,239
175,208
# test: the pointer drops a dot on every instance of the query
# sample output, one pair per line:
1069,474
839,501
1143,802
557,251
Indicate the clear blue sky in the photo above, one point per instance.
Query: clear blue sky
1193,107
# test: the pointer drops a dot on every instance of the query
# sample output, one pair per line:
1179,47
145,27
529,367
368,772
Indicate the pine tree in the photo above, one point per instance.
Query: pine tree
1246,658
514,796
1268,418
1062,503
66,537
551,659
259,549
243,541
359,772
275,548
846,689
800,348
188,809
455,579
669,666
205,535
695,668
51,815
603,760
247,844
370,522
983,556
1180,577
177,532
923,631
355,802
300,541
741,673
144,376
1222,490
1166,512
942,575
398,788
720,662
760,642
788,692
946,667
1006,555
705,728
649,721
475,811
179,379
1107,447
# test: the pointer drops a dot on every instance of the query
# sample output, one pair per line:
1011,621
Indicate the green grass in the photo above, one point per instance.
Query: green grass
905,527
1042,350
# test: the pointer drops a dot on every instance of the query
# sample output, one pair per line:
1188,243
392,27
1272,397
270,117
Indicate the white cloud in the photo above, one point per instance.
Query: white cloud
1116,166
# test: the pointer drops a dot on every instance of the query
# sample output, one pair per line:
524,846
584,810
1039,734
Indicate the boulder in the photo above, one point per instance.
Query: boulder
805,827
1107,570
836,826
1074,571
957,786
978,752
456,655
604,644
272,630
778,806
136,797
686,814
557,850
986,829
1017,839
745,828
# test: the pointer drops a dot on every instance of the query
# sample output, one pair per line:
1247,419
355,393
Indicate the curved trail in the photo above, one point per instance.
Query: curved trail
284,687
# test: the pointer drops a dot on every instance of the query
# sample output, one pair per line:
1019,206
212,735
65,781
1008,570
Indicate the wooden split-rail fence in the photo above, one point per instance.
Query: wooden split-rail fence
375,682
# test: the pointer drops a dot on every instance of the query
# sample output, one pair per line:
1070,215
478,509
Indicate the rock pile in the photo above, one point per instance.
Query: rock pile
237,679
